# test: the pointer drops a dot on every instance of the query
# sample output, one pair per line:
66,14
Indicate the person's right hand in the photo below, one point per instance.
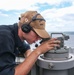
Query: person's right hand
48,45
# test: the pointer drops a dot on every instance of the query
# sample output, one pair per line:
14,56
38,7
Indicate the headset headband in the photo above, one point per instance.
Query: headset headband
35,18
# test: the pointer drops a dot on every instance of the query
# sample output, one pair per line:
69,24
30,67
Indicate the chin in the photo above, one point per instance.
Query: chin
29,42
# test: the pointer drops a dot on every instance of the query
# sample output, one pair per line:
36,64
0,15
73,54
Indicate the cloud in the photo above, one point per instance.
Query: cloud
58,18
17,4
62,18
1,14
26,4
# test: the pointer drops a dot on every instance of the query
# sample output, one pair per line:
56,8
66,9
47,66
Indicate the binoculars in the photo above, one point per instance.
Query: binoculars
61,39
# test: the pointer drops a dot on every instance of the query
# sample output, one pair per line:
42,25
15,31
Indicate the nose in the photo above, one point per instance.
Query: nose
38,38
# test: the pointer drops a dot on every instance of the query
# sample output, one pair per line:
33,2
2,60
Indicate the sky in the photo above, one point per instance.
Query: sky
59,14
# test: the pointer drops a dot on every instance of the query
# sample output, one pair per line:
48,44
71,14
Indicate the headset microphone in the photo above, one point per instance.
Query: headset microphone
36,45
43,40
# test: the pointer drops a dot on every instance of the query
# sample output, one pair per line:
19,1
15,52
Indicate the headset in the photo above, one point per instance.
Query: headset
26,27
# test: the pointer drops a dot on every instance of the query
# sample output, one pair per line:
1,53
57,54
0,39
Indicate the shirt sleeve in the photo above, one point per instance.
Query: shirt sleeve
25,46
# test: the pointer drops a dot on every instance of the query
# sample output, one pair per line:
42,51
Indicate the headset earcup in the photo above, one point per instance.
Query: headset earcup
26,28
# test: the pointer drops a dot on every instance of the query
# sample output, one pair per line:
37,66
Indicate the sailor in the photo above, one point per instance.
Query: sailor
31,27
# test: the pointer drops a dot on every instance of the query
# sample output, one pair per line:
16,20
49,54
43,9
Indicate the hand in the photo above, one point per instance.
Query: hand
27,53
48,45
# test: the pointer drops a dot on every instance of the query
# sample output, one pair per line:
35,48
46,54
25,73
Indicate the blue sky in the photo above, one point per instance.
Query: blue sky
59,14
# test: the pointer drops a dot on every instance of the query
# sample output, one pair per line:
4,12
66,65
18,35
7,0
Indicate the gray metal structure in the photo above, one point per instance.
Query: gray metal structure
55,62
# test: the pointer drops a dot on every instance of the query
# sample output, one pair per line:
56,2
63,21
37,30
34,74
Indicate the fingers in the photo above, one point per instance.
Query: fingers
49,45
54,41
54,46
